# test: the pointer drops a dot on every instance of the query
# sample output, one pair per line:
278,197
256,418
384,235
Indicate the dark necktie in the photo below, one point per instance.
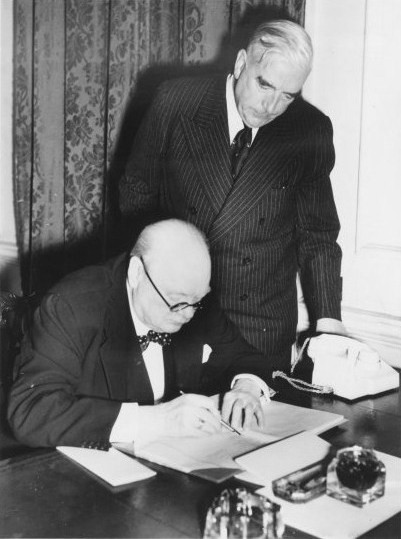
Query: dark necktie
164,339
240,149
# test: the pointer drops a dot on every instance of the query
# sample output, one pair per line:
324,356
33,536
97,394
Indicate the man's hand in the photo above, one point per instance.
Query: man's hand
242,406
187,415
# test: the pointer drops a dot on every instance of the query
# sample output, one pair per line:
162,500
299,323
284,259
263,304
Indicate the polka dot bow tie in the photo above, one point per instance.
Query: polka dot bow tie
164,339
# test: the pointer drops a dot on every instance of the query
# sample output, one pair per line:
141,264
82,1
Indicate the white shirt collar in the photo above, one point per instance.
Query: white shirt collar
235,122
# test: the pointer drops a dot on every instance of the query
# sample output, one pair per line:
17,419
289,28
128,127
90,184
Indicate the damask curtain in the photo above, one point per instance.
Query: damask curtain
84,73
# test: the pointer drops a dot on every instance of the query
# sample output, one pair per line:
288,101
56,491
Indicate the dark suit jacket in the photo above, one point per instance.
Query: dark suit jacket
278,217
82,360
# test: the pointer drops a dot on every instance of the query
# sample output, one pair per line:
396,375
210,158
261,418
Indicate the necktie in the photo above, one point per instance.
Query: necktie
164,339
240,149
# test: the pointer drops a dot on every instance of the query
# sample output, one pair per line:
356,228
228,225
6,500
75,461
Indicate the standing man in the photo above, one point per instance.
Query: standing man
112,347
247,160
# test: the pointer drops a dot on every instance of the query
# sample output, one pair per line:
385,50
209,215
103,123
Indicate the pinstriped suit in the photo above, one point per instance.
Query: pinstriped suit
278,216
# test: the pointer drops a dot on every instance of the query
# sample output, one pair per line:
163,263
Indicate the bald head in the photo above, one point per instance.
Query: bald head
176,257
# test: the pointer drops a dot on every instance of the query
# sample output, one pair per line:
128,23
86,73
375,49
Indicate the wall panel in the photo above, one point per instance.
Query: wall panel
356,83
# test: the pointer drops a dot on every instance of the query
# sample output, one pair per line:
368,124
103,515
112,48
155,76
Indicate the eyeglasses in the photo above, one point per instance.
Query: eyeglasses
173,308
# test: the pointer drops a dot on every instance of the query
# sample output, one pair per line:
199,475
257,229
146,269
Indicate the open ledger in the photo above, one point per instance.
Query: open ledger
212,457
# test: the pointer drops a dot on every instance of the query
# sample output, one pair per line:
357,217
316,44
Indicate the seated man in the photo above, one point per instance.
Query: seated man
89,373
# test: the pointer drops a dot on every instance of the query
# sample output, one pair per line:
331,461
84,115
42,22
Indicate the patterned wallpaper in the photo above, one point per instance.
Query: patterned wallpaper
84,73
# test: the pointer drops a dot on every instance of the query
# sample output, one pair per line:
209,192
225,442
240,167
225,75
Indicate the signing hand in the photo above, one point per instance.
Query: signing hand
188,415
241,406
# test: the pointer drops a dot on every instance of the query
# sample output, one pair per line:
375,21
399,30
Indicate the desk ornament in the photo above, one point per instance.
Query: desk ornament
302,485
238,513
356,476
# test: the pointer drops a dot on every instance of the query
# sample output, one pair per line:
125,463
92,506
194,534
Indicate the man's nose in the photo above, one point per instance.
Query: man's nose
272,103
186,314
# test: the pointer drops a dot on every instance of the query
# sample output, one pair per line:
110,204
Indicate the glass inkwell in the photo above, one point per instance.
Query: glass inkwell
239,513
356,476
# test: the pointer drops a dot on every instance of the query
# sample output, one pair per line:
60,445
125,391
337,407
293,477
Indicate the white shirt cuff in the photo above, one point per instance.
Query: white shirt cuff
137,424
266,391
125,428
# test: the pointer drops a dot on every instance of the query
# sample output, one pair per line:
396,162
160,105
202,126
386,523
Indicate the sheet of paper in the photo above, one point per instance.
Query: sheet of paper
328,518
200,456
283,420
285,456
203,456
111,466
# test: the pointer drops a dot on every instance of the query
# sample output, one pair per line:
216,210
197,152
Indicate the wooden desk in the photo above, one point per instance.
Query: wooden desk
43,494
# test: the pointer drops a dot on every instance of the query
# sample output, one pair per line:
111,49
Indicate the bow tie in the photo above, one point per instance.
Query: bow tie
164,339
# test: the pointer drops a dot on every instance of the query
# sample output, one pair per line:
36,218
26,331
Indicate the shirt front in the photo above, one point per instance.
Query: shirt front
235,122
131,421
152,356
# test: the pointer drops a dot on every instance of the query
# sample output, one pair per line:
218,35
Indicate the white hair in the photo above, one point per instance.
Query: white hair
283,37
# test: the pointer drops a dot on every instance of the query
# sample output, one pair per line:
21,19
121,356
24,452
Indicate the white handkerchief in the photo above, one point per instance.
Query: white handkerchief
206,353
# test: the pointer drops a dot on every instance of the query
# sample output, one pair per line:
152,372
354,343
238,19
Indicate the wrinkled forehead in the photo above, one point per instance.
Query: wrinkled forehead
280,71
183,276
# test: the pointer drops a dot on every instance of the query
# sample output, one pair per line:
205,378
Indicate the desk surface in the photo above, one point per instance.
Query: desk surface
43,494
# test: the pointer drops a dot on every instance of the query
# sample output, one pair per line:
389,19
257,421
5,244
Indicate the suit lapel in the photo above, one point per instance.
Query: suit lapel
270,154
170,387
185,356
208,142
123,366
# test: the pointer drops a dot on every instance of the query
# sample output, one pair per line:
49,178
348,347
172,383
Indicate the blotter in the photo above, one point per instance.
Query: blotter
112,466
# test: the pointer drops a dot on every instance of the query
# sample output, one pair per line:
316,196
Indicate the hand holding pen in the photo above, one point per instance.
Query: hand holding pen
225,424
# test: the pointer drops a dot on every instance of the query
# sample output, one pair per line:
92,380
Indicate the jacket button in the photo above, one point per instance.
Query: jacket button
243,297
246,261
193,210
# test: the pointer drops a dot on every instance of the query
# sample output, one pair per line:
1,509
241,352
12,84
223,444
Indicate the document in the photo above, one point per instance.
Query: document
111,466
285,456
213,457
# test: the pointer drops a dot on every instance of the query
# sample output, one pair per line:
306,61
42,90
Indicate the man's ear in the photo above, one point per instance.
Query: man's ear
135,271
240,63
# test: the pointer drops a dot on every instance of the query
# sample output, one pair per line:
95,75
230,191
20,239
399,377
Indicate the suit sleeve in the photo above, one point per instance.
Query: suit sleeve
45,407
231,354
319,255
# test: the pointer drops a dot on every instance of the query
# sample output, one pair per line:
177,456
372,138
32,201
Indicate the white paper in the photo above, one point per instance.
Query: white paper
283,457
191,455
112,465
283,420
200,456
